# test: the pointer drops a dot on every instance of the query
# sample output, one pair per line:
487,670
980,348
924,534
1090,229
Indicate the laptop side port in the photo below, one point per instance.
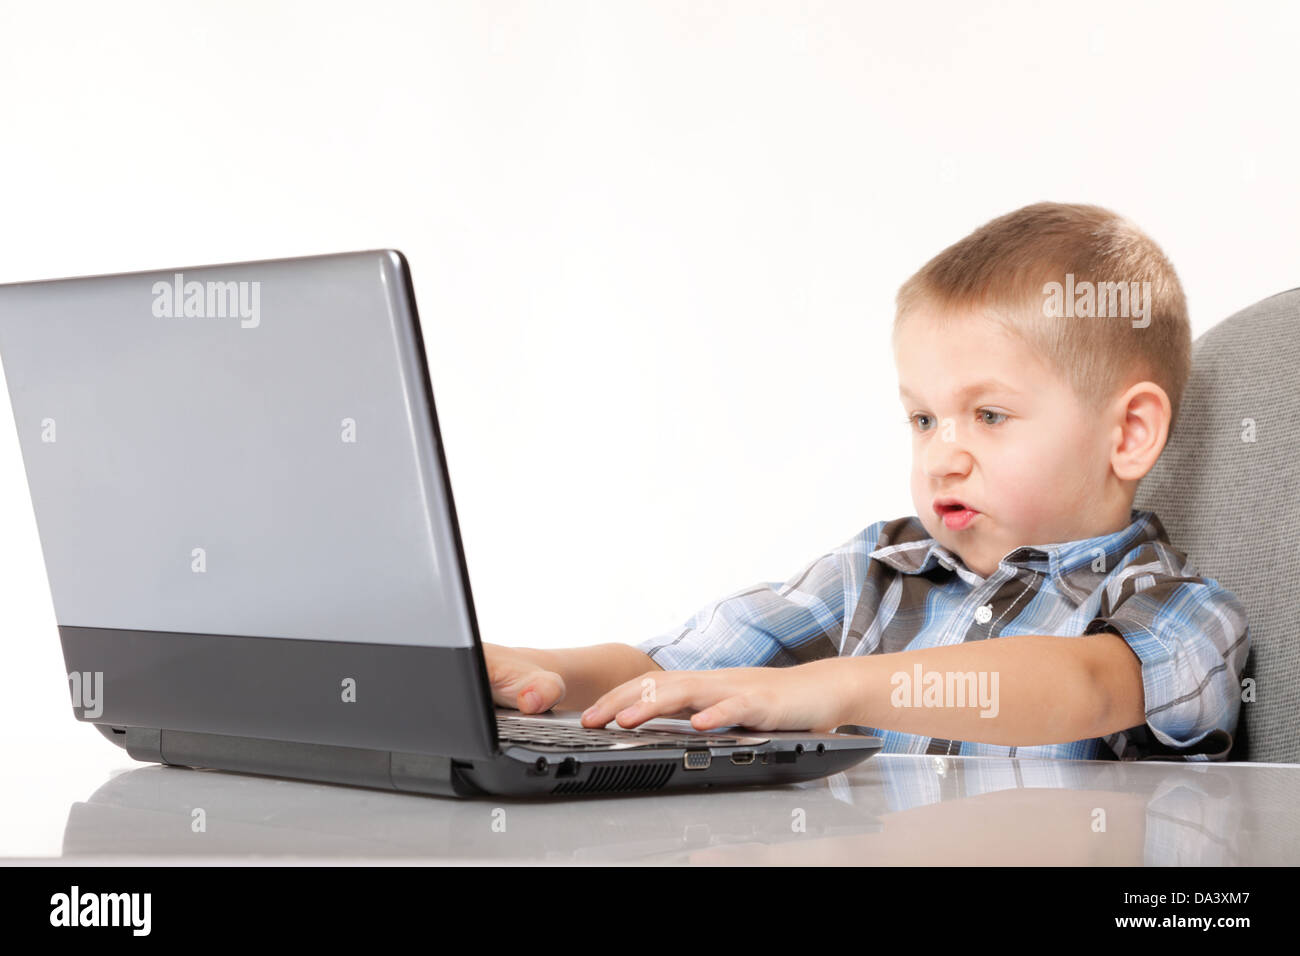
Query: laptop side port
743,758
697,760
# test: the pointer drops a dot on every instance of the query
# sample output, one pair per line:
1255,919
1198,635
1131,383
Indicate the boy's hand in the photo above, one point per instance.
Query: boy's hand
519,680
806,697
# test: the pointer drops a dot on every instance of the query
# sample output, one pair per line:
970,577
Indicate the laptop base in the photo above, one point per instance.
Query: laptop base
520,771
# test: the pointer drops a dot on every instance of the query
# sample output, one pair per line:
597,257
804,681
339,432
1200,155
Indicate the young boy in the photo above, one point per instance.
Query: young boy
1026,609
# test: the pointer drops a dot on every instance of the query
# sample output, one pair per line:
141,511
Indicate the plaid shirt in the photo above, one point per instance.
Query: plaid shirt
892,587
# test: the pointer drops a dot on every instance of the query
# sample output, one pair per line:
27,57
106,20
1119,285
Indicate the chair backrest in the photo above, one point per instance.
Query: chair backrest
1227,490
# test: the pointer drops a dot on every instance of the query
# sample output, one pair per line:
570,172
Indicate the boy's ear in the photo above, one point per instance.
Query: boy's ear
1143,414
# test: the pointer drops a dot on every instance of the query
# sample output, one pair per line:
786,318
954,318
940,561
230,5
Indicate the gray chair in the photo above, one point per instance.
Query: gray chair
1234,505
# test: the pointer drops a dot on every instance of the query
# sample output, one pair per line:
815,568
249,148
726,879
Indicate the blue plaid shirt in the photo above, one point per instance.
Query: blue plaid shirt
892,587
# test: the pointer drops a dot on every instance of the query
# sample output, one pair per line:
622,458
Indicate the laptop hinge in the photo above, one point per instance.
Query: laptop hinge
429,773
143,744
355,766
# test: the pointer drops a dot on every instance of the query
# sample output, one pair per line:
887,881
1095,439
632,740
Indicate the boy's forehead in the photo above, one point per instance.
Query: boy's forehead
970,390
942,358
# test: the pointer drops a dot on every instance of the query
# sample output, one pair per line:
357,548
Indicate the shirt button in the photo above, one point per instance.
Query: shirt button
984,614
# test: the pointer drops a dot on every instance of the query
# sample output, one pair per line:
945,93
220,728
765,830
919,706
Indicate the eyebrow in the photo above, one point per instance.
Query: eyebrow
974,390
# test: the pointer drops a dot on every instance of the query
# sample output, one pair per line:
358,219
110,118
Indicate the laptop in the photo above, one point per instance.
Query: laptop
248,528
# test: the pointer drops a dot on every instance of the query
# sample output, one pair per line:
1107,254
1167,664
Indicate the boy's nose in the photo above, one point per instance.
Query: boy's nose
946,455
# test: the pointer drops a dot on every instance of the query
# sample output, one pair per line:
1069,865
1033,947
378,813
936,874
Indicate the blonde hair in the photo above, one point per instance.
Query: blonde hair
1003,269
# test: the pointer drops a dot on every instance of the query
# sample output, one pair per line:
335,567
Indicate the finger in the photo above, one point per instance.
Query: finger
685,694
650,689
738,710
615,699
537,691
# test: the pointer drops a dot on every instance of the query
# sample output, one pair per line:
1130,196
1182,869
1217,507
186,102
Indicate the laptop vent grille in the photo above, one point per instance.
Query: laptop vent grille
613,778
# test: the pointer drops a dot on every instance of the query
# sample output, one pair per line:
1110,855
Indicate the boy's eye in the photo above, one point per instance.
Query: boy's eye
923,422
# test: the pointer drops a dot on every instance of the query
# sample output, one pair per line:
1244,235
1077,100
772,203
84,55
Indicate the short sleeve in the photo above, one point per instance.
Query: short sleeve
772,623
1191,636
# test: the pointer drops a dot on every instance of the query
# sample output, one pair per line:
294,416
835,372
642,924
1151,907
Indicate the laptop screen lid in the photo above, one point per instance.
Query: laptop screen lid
243,503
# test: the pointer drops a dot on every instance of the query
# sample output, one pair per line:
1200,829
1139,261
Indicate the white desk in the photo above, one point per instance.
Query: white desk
892,809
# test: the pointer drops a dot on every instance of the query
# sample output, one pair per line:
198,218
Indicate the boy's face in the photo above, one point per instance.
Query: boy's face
996,429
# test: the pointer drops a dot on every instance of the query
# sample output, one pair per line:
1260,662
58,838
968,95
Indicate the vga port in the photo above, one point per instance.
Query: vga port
697,760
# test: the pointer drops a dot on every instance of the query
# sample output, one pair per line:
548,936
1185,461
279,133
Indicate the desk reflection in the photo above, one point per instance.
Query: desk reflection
894,809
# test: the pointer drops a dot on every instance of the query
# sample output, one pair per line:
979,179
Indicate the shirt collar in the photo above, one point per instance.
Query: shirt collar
1077,567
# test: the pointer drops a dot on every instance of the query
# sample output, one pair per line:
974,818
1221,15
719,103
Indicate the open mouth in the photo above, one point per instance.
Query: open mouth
955,514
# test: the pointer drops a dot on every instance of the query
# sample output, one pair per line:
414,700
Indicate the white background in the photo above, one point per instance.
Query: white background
655,247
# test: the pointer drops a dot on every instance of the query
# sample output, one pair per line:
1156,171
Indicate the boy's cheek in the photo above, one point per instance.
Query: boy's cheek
1038,501
1022,490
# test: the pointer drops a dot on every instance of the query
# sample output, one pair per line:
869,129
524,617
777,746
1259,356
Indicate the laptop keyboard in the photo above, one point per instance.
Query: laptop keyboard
527,730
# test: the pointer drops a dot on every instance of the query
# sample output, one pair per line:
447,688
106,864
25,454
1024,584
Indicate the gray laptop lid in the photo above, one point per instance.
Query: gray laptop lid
241,449
248,451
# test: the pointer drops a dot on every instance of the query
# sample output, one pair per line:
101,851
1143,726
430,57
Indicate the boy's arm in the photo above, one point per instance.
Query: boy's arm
772,623
1155,674
590,671
1039,689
